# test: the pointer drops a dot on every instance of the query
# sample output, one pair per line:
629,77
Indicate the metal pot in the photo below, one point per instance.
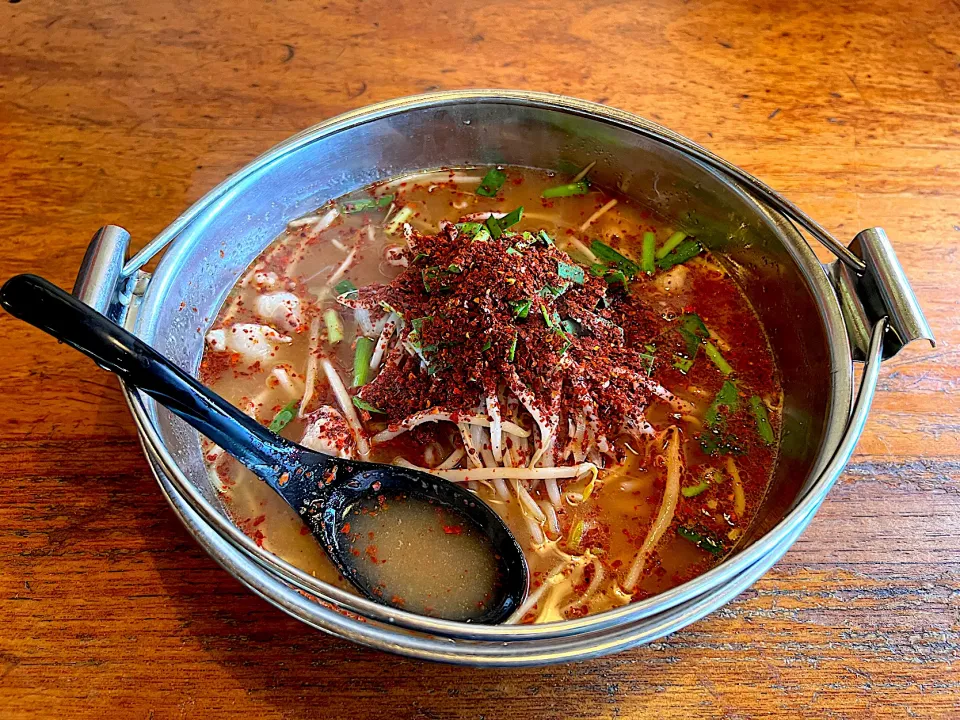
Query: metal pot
820,319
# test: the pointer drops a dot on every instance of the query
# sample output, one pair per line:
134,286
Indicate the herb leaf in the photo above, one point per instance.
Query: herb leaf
702,539
493,225
365,204
608,254
511,218
491,182
344,286
364,405
727,397
520,308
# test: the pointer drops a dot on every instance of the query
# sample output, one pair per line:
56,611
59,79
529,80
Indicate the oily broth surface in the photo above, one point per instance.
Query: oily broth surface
615,518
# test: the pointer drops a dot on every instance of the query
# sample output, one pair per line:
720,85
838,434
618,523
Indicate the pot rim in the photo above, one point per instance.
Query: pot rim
837,427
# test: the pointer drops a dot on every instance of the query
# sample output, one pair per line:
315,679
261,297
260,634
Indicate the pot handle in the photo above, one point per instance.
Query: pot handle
880,291
100,277
867,275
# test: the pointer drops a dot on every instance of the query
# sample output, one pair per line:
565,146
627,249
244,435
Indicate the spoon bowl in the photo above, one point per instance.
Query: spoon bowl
325,491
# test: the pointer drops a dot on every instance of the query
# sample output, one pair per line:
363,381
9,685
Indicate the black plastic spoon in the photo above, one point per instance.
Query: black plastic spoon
321,488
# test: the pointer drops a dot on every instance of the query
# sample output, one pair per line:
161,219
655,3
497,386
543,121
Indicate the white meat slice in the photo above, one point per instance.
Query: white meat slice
253,342
328,432
281,309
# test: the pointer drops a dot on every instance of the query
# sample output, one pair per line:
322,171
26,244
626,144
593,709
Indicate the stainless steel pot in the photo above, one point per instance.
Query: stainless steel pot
820,319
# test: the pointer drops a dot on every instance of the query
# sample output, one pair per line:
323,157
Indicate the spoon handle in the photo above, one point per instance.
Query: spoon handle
44,305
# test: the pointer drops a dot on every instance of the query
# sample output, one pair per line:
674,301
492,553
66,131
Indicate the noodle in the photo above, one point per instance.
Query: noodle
668,506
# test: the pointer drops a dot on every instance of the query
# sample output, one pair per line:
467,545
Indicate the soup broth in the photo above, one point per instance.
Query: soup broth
593,374
423,558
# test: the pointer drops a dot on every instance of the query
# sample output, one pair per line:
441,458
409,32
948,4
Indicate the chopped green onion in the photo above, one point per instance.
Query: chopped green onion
762,418
616,276
672,241
608,254
717,358
283,418
693,323
401,216
598,269
482,235
454,268
571,327
547,240
364,405
492,182
694,332
694,490
647,263
361,361
570,272
366,204
703,540
493,226
648,362
511,218
344,286
567,342
511,353
434,367
513,251
520,308
470,228
546,316
429,276
486,346
686,250
436,278
568,190
682,364
727,397
331,318
551,292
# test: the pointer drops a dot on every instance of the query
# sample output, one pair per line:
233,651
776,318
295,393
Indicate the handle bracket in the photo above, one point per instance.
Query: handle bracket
881,290
101,282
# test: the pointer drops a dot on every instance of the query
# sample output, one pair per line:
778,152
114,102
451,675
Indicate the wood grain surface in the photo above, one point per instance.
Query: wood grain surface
126,112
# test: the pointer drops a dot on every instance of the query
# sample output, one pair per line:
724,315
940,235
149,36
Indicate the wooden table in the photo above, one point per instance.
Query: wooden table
127,112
